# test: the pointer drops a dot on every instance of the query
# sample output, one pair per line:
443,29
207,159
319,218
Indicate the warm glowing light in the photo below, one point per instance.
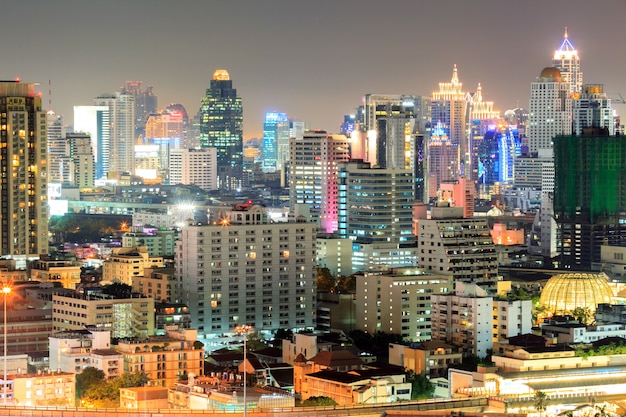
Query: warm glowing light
6,289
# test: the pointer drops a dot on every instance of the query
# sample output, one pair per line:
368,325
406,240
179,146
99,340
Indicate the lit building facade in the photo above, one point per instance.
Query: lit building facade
398,302
375,212
66,273
23,158
71,351
128,262
221,127
449,111
313,176
449,244
246,270
463,318
121,146
124,317
550,110
566,59
275,141
96,122
58,164
194,166
589,196
82,164
164,359
592,108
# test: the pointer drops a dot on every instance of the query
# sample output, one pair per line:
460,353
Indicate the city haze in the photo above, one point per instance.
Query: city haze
312,60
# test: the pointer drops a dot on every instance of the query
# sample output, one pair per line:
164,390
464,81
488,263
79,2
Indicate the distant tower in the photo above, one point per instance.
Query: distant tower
58,163
96,121
566,59
23,190
221,127
275,141
448,110
82,166
313,173
122,121
550,110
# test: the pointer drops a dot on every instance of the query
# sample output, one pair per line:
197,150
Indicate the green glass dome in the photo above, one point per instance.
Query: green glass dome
564,292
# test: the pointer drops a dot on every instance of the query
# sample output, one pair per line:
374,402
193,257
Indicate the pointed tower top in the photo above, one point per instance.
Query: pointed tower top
566,45
455,76
479,93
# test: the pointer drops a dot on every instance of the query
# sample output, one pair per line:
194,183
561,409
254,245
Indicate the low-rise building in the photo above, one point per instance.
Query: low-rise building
158,283
75,350
398,301
125,315
44,389
365,386
165,359
432,358
143,398
125,264
66,273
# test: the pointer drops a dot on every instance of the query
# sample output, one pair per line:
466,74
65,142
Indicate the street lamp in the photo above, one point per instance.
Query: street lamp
6,290
244,329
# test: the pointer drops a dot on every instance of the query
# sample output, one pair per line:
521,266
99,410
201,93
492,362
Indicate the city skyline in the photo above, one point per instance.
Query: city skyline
315,61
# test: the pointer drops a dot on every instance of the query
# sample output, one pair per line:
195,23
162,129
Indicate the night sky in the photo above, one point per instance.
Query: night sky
311,59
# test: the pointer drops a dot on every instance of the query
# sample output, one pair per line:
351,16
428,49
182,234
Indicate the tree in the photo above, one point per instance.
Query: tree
90,376
541,401
584,315
346,284
105,393
325,280
318,401
420,386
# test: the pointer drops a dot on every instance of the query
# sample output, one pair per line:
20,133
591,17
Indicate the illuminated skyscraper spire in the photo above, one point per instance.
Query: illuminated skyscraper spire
566,59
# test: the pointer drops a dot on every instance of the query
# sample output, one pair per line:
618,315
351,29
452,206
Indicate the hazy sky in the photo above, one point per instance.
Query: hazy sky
311,59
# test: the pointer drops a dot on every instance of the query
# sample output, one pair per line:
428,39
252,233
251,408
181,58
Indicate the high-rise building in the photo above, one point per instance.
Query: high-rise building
247,270
463,248
82,166
121,148
375,211
567,61
449,111
390,123
313,173
145,102
398,301
275,141
194,166
589,196
550,110
221,127
592,108
96,121
23,187
58,169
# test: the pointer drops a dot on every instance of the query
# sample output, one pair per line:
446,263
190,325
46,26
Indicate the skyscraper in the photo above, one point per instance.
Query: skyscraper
313,172
375,212
58,163
592,108
550,109
122,124
95,120
391,121
566,59
589,196
23,190
448,112
275,141
81,165
221,127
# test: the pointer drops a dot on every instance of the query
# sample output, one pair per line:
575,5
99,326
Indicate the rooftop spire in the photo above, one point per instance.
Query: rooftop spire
566,45
455,76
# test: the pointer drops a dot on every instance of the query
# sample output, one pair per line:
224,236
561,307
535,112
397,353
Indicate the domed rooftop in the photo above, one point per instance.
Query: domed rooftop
550,72
565,292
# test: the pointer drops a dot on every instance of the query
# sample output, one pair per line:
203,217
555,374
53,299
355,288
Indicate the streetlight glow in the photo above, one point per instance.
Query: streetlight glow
6,290
244,329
